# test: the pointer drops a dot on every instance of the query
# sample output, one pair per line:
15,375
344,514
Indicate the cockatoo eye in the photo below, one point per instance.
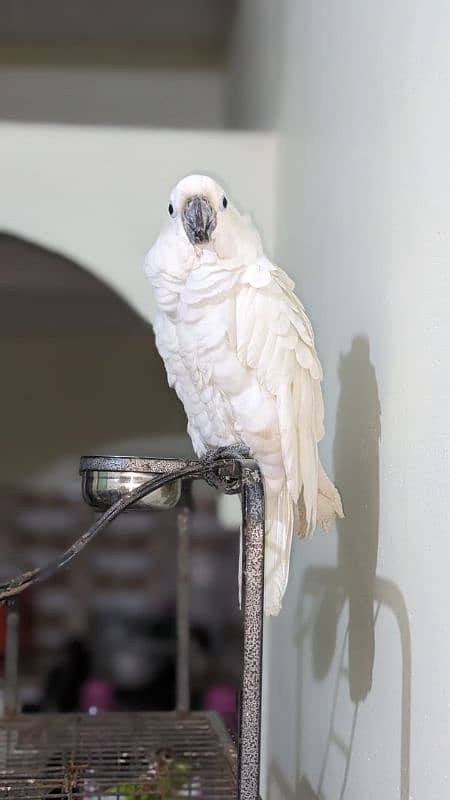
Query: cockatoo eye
223,203
171,210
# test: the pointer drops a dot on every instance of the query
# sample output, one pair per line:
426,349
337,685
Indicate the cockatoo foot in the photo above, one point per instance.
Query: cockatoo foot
224,478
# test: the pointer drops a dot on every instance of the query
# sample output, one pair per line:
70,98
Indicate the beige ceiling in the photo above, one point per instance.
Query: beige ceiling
189,24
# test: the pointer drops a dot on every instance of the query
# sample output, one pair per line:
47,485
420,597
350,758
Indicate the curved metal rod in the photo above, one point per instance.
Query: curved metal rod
21,582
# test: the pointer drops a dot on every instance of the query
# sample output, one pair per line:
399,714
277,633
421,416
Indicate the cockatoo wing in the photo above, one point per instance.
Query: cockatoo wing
274,337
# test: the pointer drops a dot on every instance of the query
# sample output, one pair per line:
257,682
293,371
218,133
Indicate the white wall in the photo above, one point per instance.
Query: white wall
358,686
99,195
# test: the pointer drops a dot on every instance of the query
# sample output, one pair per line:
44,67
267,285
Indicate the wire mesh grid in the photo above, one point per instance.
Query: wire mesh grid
116,756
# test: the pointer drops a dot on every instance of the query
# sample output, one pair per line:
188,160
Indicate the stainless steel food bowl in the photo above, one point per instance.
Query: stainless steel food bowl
106,479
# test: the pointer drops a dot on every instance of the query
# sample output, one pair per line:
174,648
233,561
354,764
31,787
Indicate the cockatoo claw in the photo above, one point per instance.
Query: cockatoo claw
230,451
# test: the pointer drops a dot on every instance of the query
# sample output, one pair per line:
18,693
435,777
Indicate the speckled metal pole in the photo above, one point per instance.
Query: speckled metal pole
252,493
183,581
11,658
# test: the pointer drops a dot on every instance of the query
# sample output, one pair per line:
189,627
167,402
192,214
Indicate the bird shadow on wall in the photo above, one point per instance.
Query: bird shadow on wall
353,583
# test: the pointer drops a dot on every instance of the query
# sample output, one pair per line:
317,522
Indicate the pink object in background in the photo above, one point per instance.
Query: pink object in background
96,695
222,699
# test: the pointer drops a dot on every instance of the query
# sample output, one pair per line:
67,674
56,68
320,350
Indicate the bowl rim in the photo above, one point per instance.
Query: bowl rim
110,463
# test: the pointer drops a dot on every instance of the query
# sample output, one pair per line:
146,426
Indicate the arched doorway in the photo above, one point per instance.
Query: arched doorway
79,367
81,374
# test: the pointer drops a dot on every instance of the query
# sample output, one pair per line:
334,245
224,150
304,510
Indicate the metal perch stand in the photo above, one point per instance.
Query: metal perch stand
85,747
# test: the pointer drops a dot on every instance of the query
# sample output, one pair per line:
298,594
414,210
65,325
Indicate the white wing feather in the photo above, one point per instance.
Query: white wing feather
275,338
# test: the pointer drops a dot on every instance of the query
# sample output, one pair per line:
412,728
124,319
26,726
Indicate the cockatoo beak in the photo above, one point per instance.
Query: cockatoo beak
199,219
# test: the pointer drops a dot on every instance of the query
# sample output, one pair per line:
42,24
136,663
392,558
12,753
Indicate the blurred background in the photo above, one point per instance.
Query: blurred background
329,123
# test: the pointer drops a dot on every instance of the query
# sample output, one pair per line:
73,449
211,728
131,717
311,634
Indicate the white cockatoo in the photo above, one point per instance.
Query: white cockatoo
239,352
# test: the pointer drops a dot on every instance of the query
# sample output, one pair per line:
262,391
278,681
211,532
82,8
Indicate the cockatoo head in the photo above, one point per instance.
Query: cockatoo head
202,226
202,215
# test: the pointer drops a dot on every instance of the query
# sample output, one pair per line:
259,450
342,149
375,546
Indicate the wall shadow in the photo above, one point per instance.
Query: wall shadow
356,472
326,592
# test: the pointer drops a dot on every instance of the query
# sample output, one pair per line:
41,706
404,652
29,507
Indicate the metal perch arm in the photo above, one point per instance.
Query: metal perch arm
21,582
